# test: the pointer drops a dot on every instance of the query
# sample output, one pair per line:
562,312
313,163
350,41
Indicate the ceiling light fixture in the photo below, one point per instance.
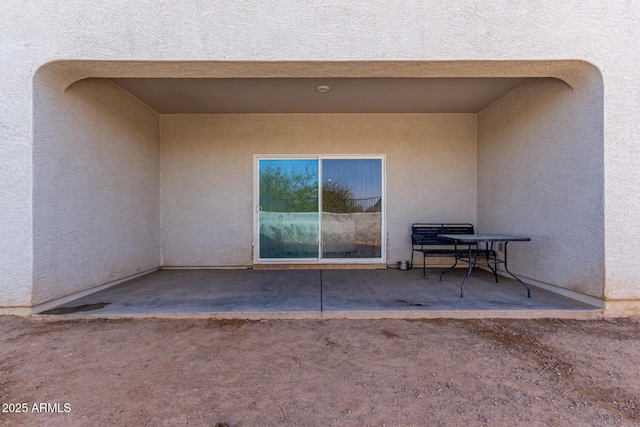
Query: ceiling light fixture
323,88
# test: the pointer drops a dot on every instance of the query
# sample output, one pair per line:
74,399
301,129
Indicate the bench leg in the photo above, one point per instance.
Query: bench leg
424,264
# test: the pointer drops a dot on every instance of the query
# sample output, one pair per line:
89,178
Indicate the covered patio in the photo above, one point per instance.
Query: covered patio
127,184
320,294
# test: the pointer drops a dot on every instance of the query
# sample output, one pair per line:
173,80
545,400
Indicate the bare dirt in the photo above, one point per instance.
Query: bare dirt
319,373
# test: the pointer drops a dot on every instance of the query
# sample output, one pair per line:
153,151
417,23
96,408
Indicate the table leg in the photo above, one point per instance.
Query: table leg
488,258
468,273
513,275
455,245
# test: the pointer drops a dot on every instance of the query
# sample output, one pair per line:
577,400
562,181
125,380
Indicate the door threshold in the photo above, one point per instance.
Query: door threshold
370,266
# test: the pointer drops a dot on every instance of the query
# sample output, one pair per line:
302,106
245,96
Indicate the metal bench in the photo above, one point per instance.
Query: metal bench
424,239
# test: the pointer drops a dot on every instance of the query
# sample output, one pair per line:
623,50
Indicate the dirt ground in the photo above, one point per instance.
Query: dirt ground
319,373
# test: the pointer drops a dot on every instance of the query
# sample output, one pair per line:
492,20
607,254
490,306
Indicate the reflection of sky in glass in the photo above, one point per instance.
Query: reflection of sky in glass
363,176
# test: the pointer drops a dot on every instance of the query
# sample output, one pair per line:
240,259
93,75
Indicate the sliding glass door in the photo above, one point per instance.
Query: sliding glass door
351,208
288,210
319,209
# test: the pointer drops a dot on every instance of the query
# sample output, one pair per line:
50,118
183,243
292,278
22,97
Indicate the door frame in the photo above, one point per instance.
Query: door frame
320,260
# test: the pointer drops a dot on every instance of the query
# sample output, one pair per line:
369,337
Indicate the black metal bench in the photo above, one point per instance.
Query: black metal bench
424,238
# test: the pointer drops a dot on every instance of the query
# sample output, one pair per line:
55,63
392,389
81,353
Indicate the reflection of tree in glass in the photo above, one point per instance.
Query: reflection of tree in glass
288,191
337,197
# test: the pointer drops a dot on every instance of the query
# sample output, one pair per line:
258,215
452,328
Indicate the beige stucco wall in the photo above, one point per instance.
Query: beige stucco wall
412,38
540,174
96,188
207,164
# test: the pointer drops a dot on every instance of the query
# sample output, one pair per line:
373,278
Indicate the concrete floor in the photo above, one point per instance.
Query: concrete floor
321,294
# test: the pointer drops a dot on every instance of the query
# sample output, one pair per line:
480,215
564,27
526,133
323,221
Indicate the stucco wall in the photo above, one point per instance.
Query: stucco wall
540,174
96,193
207,174
419,33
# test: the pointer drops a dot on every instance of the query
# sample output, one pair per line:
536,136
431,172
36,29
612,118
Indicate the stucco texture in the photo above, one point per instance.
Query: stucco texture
96,195
409,38
207,174
540,174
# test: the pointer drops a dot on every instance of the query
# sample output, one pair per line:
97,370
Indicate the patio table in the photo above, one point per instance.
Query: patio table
489,260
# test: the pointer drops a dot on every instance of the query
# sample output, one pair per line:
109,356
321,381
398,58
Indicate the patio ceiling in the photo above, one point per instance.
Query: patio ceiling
301,95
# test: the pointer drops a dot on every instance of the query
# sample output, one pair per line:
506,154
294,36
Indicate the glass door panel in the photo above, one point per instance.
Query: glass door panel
351,208
288,211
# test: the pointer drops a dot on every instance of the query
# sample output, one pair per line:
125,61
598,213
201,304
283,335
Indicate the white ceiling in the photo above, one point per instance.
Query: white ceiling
299,95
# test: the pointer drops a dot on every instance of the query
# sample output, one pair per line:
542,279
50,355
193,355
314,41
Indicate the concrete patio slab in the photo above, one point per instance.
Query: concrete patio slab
407,294
319,294
204,293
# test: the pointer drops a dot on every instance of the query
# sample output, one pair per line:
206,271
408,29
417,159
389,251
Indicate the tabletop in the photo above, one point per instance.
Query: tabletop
476,238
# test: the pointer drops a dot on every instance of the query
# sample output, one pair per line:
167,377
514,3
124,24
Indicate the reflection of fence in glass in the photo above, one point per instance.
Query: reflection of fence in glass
288,234
277,204
366,204
352,235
